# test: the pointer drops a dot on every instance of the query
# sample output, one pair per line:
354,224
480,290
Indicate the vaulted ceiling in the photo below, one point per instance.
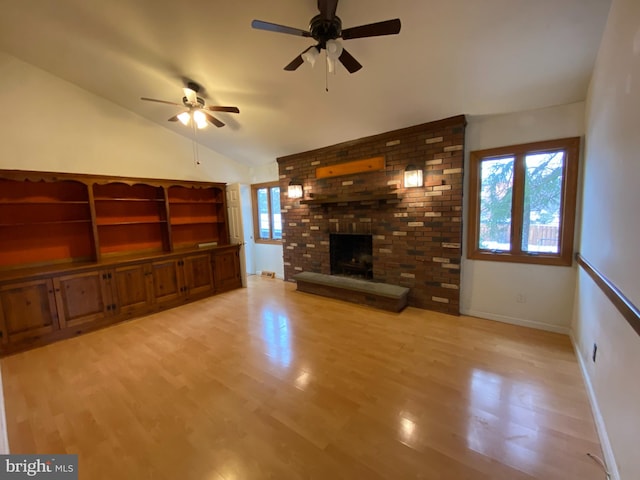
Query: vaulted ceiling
451,57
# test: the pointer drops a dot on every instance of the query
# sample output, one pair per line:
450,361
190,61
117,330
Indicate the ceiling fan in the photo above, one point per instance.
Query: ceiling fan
325,29
197,111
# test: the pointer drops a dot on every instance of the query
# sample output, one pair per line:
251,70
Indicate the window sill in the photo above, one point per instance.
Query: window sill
531,259
268,242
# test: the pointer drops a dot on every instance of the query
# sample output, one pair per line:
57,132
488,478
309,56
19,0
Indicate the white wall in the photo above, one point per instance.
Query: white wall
52,125
490,289
267,257
610,237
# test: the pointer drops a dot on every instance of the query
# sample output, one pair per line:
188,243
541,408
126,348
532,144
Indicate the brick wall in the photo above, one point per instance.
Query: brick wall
416,237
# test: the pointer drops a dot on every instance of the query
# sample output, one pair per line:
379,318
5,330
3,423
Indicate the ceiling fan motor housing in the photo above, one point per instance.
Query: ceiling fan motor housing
324,30
187,103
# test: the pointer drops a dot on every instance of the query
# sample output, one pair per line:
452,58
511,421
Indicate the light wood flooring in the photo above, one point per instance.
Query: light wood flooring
269,383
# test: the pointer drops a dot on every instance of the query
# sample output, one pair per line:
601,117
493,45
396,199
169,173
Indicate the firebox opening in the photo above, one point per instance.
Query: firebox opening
351,255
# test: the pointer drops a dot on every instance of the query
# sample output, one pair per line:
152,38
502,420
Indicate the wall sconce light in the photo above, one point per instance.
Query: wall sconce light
412,176
294,190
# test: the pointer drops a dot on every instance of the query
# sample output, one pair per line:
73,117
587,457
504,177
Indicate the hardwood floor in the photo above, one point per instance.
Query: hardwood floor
270,383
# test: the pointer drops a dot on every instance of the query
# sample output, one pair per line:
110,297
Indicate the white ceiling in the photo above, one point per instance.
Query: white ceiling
451,57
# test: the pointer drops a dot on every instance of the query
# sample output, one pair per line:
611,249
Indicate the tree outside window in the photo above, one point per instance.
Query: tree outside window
522,202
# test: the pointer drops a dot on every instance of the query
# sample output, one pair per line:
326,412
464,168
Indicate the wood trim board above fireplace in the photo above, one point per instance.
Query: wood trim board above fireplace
349,168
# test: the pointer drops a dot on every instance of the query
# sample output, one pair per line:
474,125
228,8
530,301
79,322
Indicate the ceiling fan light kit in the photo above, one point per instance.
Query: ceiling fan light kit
334,50
184,118
199,119
311,55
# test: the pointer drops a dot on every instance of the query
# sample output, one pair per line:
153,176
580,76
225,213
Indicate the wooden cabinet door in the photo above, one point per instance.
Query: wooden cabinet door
197,274
27,310
168,283
82,297
226,270
131,288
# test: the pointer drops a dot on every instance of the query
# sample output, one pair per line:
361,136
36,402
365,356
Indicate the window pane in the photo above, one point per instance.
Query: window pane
542,201
275,211
496,191
263,213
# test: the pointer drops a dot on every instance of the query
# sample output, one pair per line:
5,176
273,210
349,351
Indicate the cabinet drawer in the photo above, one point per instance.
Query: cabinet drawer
27,310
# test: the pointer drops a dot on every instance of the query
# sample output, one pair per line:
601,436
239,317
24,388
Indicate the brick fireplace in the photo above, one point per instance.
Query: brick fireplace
416,233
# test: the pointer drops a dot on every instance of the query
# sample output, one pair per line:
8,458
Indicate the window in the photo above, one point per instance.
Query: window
267,218
522,202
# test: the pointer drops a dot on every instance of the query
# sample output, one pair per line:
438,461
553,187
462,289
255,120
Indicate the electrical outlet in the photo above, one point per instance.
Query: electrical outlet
521,298
595,351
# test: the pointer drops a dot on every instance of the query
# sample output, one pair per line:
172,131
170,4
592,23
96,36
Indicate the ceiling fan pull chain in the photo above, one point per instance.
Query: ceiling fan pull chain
194,143
326,77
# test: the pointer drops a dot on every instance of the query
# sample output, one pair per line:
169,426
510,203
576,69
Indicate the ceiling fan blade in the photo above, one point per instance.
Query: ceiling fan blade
173,119
350,63
327,8
223,109
274,27
388,27
213,120
191,95
160,101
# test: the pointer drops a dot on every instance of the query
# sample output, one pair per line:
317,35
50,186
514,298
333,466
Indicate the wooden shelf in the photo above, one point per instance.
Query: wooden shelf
350,198
194,202
141,222
44,202
52,222
177,223
150,200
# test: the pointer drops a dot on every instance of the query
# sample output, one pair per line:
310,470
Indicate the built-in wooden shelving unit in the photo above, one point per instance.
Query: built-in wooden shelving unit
78,252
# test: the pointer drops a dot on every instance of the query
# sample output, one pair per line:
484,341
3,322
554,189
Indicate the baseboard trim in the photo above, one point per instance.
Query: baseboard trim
4,439
518,321
607,450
